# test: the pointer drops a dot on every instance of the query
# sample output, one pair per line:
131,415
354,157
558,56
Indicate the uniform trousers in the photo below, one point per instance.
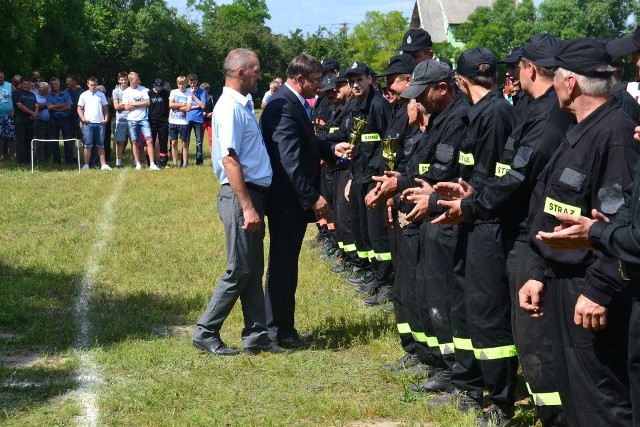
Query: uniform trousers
243,275
534,343
343,219
406,300
436,280
486,318
634,355
591,367
370,233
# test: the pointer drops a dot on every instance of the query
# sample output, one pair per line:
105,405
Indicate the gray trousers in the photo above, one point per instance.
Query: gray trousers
243,276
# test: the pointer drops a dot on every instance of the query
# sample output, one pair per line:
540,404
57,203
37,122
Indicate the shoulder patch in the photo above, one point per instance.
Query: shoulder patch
444,153
522,157
611,198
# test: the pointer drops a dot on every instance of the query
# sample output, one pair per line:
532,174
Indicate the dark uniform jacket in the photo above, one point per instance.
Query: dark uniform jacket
435,156
526,153
490,122
621,237
627,102
406,135
295,154
589,170
366,159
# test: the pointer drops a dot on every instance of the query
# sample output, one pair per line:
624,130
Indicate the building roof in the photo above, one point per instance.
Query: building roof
436,16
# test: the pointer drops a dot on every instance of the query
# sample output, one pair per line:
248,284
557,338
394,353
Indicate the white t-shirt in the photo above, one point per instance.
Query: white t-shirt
178,117
140,93
91,103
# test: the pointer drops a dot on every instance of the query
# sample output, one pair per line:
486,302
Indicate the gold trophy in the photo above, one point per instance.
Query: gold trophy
389,150
356,130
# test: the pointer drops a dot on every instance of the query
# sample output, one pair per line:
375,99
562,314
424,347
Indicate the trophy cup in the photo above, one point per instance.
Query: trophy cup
356,130
389,150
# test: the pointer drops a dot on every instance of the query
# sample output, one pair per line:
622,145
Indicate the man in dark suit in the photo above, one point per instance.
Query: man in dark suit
294,198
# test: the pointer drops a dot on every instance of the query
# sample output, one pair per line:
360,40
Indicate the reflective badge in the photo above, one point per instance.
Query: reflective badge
423,168
466,159
502,169
554,207
354,65
333,129
370,137
409,40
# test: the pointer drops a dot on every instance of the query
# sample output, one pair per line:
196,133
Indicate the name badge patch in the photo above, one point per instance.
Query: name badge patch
466,159
423,168
333,129
554,207
502,169
370,137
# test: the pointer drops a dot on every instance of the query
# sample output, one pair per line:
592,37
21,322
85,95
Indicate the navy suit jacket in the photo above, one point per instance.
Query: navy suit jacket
295,155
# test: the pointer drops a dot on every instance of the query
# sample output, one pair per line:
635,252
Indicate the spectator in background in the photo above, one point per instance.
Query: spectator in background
26,110
7,128
136,100
43,123
208,113
94,114
74,92
195,116
59,104
273,88
121,126
180,104
159,119
251,103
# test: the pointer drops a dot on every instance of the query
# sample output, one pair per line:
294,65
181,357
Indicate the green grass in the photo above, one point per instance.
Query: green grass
158,268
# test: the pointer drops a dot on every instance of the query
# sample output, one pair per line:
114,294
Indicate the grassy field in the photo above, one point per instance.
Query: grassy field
148,265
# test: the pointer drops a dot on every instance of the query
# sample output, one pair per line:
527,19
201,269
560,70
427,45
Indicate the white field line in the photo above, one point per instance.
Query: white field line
88,375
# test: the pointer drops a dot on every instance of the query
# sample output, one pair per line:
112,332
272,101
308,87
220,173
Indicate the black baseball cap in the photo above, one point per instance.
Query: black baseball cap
416,39
328,82
342,76
444,61
159,83
625,45
426,73
513,57
470,60
541,46
329,64
400,64
585,56
358,68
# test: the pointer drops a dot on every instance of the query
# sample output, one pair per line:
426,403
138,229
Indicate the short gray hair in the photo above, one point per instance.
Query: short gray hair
236,59
590,86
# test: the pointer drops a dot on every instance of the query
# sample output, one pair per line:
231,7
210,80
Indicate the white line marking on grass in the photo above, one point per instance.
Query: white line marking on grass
88,375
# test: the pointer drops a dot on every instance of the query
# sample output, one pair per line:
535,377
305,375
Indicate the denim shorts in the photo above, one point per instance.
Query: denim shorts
93,134
137,126
178,130
121,130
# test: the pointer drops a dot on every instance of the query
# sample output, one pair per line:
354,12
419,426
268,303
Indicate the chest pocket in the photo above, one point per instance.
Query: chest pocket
568,188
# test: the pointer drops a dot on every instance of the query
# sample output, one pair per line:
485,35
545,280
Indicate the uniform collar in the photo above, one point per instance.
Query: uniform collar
484,103
578,131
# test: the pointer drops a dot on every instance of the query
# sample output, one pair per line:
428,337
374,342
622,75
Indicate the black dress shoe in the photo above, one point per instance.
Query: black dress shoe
215,346
269,348
293,343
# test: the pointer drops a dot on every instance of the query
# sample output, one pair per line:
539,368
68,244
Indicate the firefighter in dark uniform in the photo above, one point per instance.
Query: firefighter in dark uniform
480,311
619,49
520,100
417,43
368,225
433,160
418,357
586,297
507,196
620,238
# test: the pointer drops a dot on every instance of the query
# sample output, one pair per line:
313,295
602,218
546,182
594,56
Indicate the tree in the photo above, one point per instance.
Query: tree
377,38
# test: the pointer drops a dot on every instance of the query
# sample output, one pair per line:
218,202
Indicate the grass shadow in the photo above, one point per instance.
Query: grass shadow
335,333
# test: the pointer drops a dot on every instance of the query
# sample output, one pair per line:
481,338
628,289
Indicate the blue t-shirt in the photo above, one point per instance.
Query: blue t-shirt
6,99
64,98
196,114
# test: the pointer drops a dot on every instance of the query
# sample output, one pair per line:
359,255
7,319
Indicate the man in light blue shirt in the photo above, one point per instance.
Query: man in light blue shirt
7,129
241,163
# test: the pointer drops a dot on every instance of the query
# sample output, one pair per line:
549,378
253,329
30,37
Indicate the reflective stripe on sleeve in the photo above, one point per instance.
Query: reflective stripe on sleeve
447,348
383,256
463,344
349,248
404,328
363,254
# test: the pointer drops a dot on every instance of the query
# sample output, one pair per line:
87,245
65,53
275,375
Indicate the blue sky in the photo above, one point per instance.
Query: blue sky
287,15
